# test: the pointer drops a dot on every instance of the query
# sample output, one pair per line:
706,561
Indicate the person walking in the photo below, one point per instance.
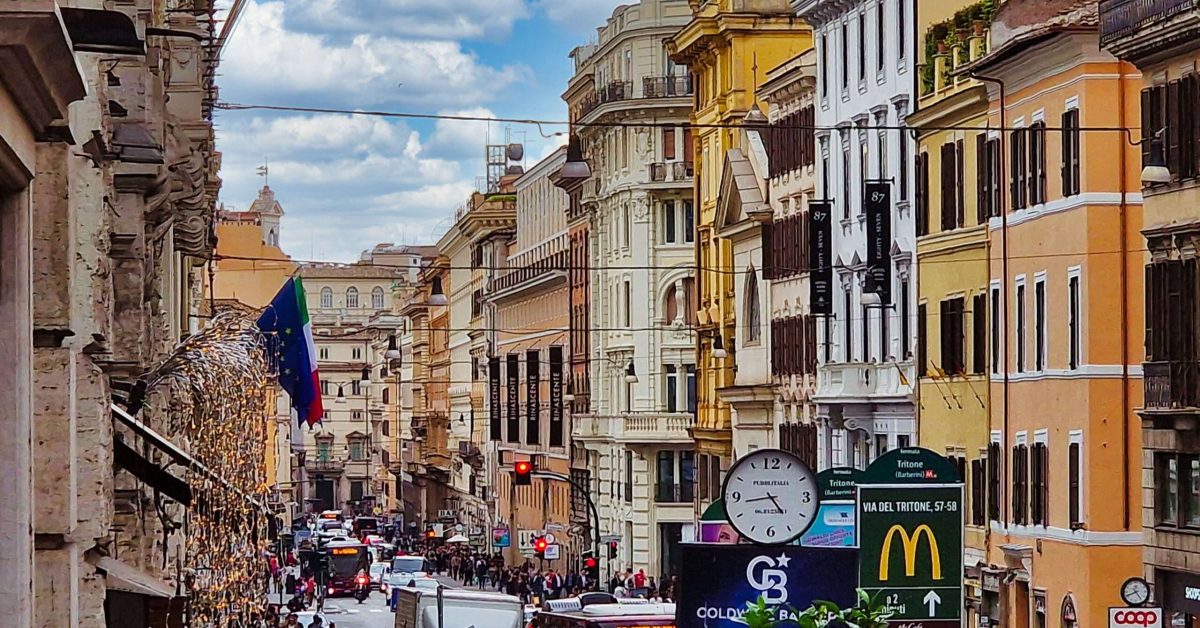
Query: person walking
466,569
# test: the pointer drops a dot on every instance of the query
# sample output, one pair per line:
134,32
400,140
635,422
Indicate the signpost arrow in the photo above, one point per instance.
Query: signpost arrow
933,599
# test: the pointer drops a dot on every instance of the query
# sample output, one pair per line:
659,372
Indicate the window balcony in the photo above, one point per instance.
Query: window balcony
673,171
1172,386
1140,29
318,465
673,427
666,86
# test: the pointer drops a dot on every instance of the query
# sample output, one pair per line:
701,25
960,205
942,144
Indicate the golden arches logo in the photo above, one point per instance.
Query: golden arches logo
910,551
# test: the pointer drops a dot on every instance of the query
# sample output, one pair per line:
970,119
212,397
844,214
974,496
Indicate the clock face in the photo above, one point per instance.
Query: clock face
1135,592
770,496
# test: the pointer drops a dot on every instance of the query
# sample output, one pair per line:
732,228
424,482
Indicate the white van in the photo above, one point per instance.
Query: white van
457,608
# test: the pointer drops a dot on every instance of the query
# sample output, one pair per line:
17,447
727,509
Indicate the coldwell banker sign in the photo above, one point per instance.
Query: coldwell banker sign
718,581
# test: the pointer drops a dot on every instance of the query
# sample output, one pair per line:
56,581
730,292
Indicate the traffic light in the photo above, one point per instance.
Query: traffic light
522,473
431,533
539,546
612,550
591,566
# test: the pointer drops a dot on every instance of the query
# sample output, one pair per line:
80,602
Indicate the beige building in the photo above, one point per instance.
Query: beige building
107,194
635,432
347,457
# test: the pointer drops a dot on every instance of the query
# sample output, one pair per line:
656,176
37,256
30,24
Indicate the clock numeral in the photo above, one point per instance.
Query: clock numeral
736,496
806,497
774,463
771,531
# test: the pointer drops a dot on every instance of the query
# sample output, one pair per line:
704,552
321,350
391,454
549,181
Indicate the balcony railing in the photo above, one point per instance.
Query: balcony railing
661,172
1171,385
513,276
323,466
638,428
666,86
1122,18
675,493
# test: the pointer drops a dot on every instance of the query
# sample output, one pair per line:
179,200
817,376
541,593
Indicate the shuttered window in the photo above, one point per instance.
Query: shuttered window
1070,153
1037,163
922,329
1074,479
1018,169
922,194
1020,484
978,493
1039,483
951,319
1171,108
994,481
979,322
949,187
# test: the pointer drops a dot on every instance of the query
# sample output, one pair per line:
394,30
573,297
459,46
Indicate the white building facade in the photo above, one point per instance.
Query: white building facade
864,58
639,451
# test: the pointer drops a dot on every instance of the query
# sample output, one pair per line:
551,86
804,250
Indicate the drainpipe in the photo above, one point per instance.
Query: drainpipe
1124,220
1005,504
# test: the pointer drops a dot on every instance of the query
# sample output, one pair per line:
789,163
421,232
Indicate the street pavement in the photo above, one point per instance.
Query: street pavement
346,612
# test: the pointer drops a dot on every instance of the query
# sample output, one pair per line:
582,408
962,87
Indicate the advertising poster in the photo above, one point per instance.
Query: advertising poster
500,537
718,532
718,581
834,526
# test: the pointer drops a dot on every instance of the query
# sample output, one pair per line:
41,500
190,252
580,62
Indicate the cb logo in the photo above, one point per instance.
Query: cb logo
1140,617
762,574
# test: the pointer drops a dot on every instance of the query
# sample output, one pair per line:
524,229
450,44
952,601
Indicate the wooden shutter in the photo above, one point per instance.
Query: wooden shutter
978,494
1016,178
960,184
979,322
1148,128
981,180
1073,481
669,144
949,196
1065,161
994,469
922,330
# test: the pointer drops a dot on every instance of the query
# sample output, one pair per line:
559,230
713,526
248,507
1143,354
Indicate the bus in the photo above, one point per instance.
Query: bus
345,561
576,613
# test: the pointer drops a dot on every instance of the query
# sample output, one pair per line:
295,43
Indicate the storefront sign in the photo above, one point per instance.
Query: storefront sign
877,205
1178,591
1135,617
556,397
718,581
494,421
820,257
533,401
513,378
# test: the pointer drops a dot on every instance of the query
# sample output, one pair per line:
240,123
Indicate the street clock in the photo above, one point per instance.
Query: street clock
770,496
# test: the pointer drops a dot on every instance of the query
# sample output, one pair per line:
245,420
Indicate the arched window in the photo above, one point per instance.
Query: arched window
272,239
326,297
351,297
377,298
752,310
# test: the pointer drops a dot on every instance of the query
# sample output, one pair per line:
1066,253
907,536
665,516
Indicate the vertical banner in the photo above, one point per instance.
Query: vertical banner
495,431
556,397
513,378
820,258
533,405
877,204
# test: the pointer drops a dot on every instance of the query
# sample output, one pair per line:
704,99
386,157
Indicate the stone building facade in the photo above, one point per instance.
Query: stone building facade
107,195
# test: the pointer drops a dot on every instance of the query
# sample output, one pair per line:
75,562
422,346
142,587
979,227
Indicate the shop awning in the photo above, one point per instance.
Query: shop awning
106,32
715,512
121,577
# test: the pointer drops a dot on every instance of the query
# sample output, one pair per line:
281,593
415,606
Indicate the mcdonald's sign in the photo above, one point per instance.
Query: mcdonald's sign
910,551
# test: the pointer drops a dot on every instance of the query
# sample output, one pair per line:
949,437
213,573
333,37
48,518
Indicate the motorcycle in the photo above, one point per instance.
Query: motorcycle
362,588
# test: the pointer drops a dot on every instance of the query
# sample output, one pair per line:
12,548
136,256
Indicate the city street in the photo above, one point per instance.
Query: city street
346,612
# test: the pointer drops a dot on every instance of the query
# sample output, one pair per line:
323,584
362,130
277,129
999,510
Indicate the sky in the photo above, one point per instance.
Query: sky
349,182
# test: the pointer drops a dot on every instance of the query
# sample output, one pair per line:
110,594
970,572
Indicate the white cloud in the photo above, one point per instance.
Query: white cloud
265,60
460,139
580,15
443,19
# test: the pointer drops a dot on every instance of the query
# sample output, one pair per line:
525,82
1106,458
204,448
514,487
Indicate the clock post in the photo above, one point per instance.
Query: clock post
771,497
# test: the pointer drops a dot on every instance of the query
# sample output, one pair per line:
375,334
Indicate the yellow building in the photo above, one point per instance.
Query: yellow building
1065,254
953,206
729,51
250,268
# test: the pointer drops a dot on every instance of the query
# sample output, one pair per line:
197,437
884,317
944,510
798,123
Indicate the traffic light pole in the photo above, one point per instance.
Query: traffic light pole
591,506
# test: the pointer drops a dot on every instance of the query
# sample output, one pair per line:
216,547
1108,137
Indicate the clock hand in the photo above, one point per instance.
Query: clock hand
758,499
774,501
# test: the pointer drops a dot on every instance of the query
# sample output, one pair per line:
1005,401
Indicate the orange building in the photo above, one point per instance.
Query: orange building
1064,471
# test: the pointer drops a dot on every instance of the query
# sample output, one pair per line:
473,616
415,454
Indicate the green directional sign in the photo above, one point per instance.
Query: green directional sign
911,549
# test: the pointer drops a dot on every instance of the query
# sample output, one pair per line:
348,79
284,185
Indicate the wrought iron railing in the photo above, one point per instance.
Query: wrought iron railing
1171,385
666,86
1122,18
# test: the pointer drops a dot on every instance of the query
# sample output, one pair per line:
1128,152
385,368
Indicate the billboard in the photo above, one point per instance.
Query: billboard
719,580
834,526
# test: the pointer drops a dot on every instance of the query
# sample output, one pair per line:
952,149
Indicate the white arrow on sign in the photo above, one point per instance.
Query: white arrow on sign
932,599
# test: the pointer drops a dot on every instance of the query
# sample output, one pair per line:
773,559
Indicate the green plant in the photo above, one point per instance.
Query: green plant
867,612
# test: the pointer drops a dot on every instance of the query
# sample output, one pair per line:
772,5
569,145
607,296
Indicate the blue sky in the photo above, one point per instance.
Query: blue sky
348,182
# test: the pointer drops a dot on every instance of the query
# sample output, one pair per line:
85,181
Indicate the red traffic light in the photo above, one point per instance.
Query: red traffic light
539,544
523,473
523,466
431,534
589,562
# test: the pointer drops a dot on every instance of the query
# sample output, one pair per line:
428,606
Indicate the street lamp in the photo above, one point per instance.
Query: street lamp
718,347
437,296
1156,171
393,351
630,373
341,397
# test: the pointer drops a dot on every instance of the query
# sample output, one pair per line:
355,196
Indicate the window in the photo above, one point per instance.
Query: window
995,329
356,353
752,312
864,169
355,387
825,166
326,297
1039,322
862,47
1037,163
1073,323
1172,107
845,66
357,451
1020,325
846,182
865,323
627,305
1178,495
628,476
993,472
665,488
901,30
689,222
386,395
903,182
922,194
884,339
377,298
1020,497
669,219
324,450
983,183
687,475
979,323
356,490
1071,183
847,330
978,493
905,325
824,65
325,387
1074,480
951,187
1018,175
356,415
351,297
672,388
323,353
702,459
668,143
922,328
384,427
879,37
626,226
1039,476
951,315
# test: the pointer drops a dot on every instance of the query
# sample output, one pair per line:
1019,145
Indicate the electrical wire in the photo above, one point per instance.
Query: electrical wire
229,106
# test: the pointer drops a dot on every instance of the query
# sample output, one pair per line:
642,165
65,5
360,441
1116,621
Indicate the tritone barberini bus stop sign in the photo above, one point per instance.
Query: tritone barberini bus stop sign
910,527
